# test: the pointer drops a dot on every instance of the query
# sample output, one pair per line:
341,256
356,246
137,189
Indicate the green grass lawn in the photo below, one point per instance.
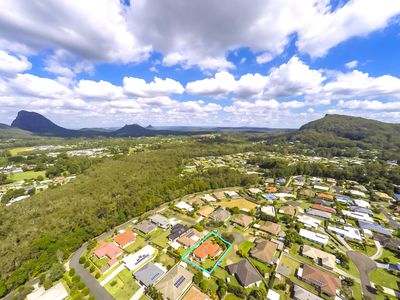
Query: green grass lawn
384,278
389,254
262,268
162,240
18,150
357,291
155,233
231,297
122,286
166,260
99,263
27,175
246,246
139,243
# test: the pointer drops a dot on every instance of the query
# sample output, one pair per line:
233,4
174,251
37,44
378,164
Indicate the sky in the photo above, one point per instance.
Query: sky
264,63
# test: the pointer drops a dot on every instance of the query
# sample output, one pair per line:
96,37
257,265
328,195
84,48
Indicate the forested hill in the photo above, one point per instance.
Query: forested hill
8,132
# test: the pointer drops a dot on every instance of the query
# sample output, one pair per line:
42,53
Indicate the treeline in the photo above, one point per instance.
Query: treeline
49,226
376,174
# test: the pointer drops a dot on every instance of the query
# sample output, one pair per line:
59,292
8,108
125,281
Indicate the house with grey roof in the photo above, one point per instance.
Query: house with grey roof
176,231
302,294
220,215
160,221
319,213
245,273
146,227
149,274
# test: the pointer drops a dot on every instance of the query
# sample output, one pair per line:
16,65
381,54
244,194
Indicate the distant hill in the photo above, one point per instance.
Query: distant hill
8,132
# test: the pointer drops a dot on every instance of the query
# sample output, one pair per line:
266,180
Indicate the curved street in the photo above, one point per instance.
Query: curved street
364,265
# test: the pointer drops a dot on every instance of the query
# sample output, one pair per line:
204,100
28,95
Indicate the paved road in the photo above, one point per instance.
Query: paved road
364,265
95,288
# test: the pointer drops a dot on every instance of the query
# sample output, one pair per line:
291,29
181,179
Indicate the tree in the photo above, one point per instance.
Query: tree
56,272
198,277
82,260
71,272
153,293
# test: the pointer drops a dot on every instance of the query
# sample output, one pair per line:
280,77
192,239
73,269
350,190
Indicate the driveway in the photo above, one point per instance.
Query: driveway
364,265
379,251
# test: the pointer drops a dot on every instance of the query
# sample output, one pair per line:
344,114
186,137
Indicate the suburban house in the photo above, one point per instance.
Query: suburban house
321,188
109,250
245,273
125,239
160,221
315,237
149,274
220,215
323,208
205,211
190,238
135,260
206,249
232,194
264,251
307,193
325,282
184,206
195,294
302,294
323,258
308,221
254,191
242,220
175,283
361,210
176,231
56,292
319,213
358,216
287,210
325,196
209,198
271,227
357,193
375,227
361,203
347,232
271,189
268,210
219,195
146,227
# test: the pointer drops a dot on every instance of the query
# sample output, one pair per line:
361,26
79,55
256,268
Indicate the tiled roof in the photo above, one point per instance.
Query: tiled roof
125,238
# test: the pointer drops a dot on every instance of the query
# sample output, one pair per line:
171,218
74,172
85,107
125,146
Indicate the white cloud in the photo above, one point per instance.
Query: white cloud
293,79
100,90
325,29
351,64
264,58
11,65
34,86
158,87
222,83
370,105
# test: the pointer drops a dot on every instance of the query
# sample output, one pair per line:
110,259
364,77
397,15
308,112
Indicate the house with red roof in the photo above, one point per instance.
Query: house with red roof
207,249
325,196
109,250
125,239
323,208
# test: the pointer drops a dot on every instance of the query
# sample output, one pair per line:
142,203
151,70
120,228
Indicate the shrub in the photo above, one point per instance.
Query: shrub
71,272
82,260
85,291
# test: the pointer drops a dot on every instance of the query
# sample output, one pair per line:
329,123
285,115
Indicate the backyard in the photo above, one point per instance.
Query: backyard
122,286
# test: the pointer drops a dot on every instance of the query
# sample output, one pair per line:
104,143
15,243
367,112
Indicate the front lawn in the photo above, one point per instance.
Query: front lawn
136,245
122,286
245,247
162,240
384,278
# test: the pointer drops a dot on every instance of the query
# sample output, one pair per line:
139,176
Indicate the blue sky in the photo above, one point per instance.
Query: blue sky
200,62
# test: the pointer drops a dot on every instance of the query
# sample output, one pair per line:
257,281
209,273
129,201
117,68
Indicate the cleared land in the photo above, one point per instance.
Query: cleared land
27,175
241,203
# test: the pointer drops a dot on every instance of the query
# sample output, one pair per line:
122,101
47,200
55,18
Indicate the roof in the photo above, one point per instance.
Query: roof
323,208
319,213
271,189
56,292
145,227
176,231
387,241
314,236
306,192
174,283
272,295
302,294
207,248
326,282
287,210
347,232
327,259
397,196
159,220
243,220
125,238
220,215
268,210
219,195
310,221
135,260
264,250
362,203
357,215
149,274
271,227
375,227
361,210
325,196
195,294
245,273
108,249
205,211
269,196
190,238
184,205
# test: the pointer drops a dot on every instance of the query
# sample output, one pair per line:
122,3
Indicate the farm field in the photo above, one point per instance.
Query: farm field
27,175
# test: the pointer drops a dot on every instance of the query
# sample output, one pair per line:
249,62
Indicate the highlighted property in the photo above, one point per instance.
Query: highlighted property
208,253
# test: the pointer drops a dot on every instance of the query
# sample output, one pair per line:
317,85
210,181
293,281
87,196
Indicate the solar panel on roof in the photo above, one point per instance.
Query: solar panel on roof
180,280
155,276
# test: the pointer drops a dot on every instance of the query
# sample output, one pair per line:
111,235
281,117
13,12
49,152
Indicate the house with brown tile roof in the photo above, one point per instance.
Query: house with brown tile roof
271,227
205,211
264,251
287,210
219,195
195,294
325,282
125,239
271,189
325,196
242,220
323,208
190,238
